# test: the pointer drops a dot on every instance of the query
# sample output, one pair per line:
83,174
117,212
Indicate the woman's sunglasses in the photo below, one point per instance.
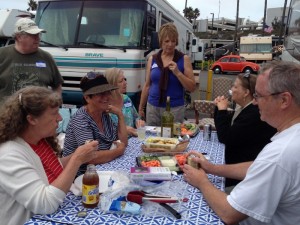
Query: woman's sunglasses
247,76
93,75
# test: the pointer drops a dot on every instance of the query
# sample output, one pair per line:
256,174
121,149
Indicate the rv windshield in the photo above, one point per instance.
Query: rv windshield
292,40
106,23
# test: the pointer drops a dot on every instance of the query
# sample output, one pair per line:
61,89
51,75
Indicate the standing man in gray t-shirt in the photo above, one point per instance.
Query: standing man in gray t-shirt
24,63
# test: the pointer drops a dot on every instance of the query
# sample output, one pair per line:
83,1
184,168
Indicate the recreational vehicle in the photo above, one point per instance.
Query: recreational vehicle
291,49
93,35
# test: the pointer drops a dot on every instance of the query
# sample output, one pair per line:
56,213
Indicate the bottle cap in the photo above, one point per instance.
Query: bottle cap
82,214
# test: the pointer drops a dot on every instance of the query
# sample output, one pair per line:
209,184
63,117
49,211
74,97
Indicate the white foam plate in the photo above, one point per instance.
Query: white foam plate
151,129
107,179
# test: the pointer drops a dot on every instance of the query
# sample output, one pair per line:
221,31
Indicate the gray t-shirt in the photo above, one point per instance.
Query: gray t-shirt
18,70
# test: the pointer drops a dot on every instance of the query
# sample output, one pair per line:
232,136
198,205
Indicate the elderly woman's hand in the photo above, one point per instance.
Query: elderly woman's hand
115,110
131,131
221,102
86,152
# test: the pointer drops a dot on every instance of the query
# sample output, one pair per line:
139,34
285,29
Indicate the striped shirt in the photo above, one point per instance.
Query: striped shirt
82,127
49,159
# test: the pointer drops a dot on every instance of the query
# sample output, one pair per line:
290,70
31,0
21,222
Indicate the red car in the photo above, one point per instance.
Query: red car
235,64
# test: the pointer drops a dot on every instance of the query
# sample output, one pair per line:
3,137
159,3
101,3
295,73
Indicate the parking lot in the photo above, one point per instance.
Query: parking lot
201,79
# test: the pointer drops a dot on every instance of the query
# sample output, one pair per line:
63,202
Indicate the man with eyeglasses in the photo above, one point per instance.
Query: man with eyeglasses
24,63
269,192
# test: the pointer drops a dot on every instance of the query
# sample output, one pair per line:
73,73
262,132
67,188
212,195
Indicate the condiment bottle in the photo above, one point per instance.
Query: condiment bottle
167,121
90,187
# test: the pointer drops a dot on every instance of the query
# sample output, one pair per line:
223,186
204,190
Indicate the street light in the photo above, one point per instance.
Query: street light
185,8
236,24
212,22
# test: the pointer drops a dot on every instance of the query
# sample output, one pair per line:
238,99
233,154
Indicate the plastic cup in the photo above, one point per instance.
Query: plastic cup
141,131
141,128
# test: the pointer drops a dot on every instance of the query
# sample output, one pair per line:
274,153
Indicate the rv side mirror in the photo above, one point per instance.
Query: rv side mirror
154,43
188,45
154,40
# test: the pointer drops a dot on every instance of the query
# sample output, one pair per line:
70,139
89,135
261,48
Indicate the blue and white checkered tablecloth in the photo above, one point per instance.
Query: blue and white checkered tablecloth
194,212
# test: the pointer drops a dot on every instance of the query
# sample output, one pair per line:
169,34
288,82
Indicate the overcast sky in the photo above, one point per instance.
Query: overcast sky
252,9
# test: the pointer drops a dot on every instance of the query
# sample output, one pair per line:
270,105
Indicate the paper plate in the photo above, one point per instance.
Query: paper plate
107,179
152,129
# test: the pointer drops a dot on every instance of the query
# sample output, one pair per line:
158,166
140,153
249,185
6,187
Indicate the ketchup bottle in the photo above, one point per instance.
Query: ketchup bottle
90,187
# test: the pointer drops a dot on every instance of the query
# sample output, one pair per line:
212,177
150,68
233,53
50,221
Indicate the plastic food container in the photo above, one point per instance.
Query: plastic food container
161,143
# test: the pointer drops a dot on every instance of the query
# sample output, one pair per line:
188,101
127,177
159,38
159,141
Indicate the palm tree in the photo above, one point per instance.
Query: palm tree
32,5
191,14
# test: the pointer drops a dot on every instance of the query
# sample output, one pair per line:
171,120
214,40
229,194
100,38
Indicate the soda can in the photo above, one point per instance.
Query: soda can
207,132
177,129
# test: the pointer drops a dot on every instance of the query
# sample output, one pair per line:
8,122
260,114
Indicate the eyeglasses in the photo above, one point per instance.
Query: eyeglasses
247,76
93,75
257,96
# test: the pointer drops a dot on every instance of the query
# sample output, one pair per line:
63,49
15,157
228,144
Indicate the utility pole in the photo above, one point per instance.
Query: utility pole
212,22
236,23
219,10
264,21
282,23
185,8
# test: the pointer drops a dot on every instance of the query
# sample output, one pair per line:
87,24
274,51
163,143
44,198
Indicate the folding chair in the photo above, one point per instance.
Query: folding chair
221,86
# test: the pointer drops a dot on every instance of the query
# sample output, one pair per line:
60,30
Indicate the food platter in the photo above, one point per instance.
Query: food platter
165,147
174,162
161,142
190,129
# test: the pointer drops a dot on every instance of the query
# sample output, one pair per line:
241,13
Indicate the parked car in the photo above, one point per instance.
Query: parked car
234,64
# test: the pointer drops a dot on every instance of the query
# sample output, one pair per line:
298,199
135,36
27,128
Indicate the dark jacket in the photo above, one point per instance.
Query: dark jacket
245,138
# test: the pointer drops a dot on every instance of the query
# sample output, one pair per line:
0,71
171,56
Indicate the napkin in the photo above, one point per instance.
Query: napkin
61,140
75,190
113,146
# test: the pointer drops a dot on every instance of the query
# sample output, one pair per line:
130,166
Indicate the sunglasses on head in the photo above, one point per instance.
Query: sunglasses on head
247,76
93,75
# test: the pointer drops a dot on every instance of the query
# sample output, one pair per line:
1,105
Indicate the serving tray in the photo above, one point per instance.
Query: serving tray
191,129
172,161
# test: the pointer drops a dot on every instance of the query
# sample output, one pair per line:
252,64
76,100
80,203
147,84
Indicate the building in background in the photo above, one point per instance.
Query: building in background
214,25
